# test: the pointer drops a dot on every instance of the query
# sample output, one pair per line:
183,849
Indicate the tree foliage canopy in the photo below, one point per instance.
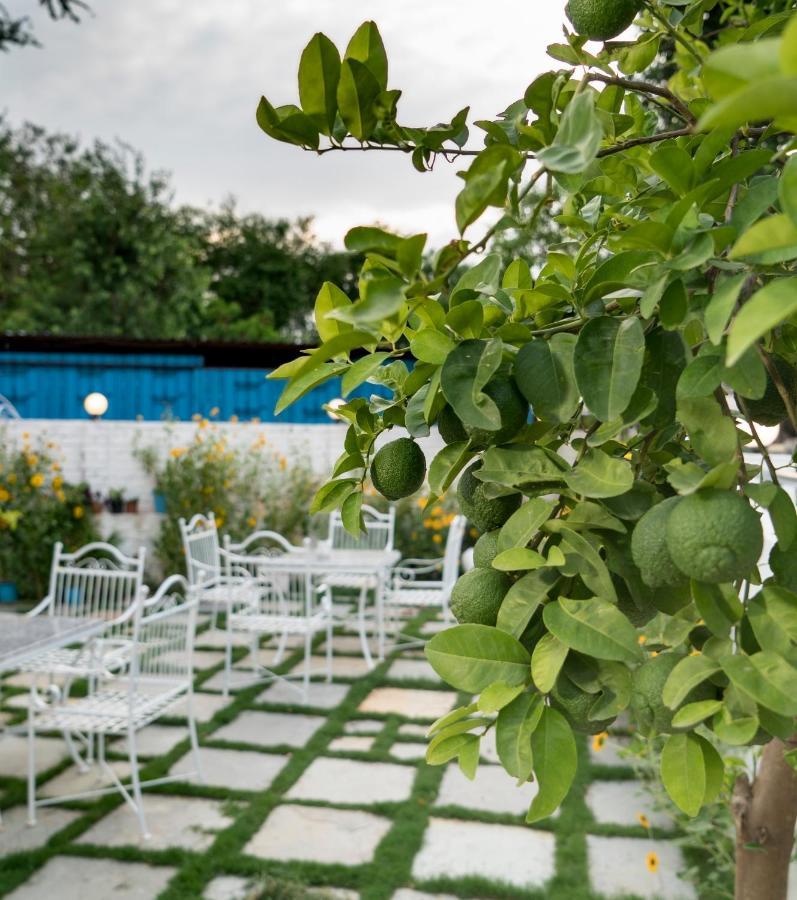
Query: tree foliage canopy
640,339
90,243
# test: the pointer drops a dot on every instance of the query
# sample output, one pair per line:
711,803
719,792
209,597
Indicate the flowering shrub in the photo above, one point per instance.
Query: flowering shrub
247,488
37,508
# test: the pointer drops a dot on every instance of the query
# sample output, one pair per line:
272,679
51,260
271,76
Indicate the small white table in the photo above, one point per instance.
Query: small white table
24,636
322,560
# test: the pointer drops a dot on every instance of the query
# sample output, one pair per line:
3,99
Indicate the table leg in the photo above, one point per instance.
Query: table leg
380,612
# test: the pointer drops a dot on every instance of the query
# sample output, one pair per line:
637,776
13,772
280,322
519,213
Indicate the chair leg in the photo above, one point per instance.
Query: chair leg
329,651
31,770
136,782
363,629
283,643
308,646
227,662
193,735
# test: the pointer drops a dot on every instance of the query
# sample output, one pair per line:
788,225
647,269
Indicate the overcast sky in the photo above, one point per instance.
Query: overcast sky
180,80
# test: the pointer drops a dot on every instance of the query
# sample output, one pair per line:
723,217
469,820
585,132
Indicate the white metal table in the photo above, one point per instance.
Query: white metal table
322,560
24,636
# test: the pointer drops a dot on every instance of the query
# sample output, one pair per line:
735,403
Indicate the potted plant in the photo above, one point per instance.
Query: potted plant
131,505
116,500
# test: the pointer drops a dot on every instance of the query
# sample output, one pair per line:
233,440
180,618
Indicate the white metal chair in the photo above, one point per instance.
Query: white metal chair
407,590
95,582
158,675
289,601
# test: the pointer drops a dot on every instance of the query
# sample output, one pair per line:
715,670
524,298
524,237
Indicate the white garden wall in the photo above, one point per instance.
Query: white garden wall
102,454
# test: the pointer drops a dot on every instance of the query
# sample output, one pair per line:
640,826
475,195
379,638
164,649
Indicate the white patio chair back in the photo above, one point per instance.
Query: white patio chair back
97,581
379,534
163,642
453,552
201,547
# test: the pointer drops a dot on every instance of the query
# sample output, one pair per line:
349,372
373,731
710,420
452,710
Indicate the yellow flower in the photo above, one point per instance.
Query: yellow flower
56,467
32,460
25,435
283,463
422,501
4,495
61,496
251,521
255,420
57,482
598,741
176,452
437,511
233,419
219,521
78,512
473,532
214,411
37,480
196,417
652,862
437,538
12,478
203,423
696,652
641,639
643,820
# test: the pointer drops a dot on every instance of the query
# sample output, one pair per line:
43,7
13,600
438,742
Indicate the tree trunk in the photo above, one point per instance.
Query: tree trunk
765,813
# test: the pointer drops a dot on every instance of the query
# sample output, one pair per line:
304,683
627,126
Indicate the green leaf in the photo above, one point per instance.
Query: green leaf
486,182
674,165
608,362
431,346
713,434
555,763
466,371
599,475
498,695
594,627
446,465
782,607
701,377
287,123
319,73
472,657
351,514
330,495
330,297
787,189
547,659
765,310
768,241
781,510
545,375
448,748
767,678
715,770
749,376
591,566
517,465
720,307
694,713
381,296
577,139
468,758
513,730
483,278
524,523
360,371
461,712
357,93
736,732
367,48
735,66
523,599
718,605
304,381
615,695
683,772
518,559
765,98
687,675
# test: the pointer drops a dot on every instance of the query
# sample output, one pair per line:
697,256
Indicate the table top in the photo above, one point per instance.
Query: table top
324,559
22,636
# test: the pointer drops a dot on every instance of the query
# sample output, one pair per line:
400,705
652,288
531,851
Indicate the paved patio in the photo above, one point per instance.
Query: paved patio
334,796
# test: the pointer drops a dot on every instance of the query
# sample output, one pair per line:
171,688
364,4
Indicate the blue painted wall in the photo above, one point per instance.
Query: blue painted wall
151,386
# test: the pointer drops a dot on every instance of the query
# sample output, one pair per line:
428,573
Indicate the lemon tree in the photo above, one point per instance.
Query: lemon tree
598,404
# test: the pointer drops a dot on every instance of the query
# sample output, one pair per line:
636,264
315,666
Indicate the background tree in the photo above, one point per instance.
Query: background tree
90,243
624,525
18,30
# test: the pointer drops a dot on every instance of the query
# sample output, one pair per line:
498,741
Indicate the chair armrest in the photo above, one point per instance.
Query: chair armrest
40,606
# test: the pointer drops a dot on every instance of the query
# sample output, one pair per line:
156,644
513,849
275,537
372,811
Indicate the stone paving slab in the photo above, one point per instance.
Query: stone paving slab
357,742
410,702
16,835
319,834
14,754
364,726
217,637
622,803
345,643
411,729
492,790
69,879
412,669
187,822
237,770
342,666
270,729
407,894
202,659
226,887
618,866
321,695
155,740
205,706
73,781
349,781
405,750
518,855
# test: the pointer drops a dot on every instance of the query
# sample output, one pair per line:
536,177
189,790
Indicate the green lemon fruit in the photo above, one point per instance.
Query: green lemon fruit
714,536
576,704
770,409
485,513
514,411
477,595
649,547
450,427
398,469
486,549
647,707
601,20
